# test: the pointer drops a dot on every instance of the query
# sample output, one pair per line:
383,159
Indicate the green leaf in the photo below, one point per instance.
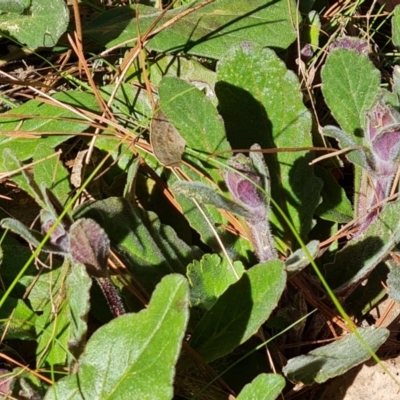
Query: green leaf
197,120
130,103
336,358
41,26
31,236
139,361
48,282
190,70
204,194
350,85
62,327
14,6
52,328
393,281
210,224
151,250
335,206
299,260
361,256
261,102
14,258
193,115
210,29
51,172
17,320
263,387
312,29
23,179
45,118
210,277
78,285
346,140
240,310
396,27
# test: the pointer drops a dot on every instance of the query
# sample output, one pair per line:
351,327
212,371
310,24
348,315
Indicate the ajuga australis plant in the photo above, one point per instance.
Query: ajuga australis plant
247,179
83,240
378,157
244,180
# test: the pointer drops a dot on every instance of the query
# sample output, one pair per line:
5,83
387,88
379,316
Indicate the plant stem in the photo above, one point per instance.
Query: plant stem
112,297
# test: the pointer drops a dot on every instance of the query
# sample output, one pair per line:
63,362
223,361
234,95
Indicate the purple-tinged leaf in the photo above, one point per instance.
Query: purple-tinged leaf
30,235
89,245
379,157
243,184
361,46
383,136
59,237
6,381
243,190
54,206
306,52
206,194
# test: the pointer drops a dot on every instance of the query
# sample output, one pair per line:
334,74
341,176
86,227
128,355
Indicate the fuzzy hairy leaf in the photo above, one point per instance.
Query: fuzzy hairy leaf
350,86
363,254
193,115
17,320
139,361
211,29
78,294
14,6
393,282
31,236
89,245
356,156
299,260
263,387
240,310
210,277
42,26
46,119
396,27
51,173
264,105
336,358
207,195
151,250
